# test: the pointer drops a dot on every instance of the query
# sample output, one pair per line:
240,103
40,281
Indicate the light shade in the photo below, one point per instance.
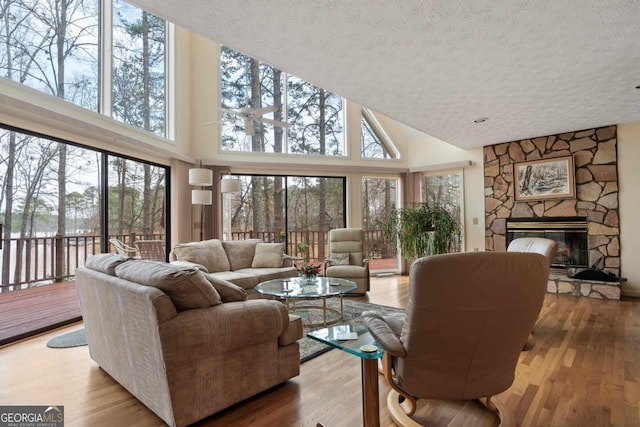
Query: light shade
200,176
230,185
201,197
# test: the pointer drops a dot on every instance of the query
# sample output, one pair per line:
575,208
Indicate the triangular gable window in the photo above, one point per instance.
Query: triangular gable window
374,142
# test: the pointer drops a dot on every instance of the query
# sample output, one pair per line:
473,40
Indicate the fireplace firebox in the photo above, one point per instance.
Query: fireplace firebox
570,233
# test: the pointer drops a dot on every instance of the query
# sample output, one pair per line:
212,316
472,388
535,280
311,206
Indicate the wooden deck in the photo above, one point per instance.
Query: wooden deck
31,311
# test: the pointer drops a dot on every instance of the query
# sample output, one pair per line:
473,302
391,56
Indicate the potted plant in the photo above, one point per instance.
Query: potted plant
421,230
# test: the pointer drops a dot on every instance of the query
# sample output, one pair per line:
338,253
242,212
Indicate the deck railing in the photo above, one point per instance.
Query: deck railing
316,243
37,261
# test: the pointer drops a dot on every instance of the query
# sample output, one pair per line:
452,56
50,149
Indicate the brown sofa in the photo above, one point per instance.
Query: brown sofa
185,346
244,263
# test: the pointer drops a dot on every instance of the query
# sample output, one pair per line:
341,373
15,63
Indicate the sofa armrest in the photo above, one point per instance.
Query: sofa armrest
194,334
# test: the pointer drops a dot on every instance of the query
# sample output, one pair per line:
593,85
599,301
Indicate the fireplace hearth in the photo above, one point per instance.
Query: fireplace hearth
570,233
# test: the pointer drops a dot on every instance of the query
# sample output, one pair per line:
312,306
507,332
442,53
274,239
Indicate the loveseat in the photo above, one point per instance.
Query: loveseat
244,263
184,345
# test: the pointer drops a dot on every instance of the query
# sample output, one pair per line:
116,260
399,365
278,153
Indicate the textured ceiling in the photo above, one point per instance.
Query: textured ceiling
532,68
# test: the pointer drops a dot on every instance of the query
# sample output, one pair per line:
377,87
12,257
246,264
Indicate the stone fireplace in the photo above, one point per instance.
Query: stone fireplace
593,211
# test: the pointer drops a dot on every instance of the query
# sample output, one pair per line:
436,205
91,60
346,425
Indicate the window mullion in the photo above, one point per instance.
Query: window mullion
169,79
106,54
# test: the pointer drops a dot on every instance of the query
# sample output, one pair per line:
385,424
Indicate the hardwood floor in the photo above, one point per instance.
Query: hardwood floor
583,371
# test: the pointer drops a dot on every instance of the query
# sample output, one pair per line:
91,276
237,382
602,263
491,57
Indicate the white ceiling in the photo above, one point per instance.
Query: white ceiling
532,68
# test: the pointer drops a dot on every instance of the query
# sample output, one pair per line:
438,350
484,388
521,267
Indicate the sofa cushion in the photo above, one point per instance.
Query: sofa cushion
264,274
244,280
209,253
268,255
187,287
105,263
239,252
346,271
227,290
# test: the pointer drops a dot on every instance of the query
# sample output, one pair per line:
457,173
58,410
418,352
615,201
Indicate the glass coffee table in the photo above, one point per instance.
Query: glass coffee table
321,288
362,345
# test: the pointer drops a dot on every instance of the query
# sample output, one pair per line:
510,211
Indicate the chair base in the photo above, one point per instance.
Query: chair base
399,411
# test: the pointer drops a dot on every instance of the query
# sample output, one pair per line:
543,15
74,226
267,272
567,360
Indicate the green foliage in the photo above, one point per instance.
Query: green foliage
421,230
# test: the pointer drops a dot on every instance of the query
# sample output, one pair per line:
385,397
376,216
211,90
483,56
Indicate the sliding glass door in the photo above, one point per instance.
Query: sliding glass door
379,198
444,189
61,202
295,210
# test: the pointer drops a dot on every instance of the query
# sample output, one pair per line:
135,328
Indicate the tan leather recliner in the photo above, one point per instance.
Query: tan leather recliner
346,245
467,320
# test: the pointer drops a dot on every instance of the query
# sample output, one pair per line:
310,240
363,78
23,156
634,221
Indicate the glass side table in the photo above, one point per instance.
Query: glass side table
364,347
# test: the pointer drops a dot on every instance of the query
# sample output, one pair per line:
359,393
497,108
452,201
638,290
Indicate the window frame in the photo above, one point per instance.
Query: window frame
381,135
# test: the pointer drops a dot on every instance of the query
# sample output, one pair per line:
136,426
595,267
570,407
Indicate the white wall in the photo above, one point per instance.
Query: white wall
629,182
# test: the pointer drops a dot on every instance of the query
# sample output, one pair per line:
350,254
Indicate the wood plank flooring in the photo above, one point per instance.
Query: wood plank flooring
583,371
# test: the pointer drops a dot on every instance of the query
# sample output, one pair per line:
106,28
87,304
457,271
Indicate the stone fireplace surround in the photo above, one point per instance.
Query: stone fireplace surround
594,153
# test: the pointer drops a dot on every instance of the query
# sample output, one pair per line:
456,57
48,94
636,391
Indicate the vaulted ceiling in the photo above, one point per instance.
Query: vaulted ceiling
521,68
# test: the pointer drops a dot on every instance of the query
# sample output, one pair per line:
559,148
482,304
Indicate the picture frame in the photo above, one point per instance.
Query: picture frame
551,178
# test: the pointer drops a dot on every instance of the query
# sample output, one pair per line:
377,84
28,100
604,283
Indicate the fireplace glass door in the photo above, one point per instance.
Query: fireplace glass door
571,237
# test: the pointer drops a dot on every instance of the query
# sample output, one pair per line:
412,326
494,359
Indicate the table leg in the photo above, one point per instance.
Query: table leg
324,310
370,402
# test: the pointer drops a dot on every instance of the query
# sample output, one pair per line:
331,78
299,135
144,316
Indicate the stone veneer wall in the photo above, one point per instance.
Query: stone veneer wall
596,177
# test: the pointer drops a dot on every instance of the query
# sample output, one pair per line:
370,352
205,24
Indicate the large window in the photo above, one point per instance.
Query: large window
52,47
60,203
55,47
256,97
296,210
138,81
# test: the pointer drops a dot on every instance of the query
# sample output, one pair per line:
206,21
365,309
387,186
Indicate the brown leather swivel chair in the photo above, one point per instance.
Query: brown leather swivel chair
467,320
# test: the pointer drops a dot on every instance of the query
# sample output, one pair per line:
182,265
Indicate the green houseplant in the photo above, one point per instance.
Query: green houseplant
421,230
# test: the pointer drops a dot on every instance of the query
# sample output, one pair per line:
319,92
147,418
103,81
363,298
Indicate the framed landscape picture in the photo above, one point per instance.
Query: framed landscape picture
545,179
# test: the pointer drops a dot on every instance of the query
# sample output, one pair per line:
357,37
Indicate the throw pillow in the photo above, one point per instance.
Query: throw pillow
268,255
339,259
187,287
105,263
240,252
208,253
227,290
